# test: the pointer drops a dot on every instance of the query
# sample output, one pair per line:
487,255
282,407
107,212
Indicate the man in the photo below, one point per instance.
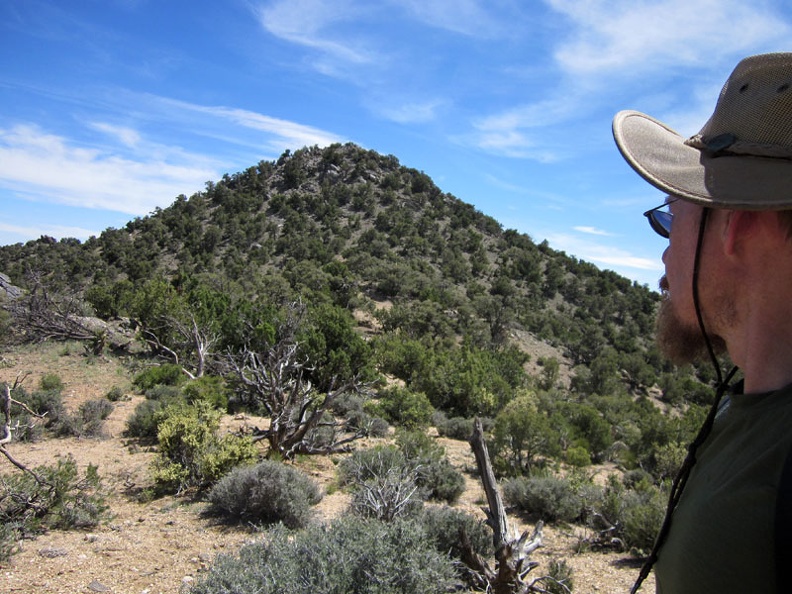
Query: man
728,287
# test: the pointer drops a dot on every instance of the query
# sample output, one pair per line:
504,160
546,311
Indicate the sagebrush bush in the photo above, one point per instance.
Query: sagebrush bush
351,556
436,476
46,403
552,499
635,514
385,497
144,421
454,428
459,428
369,463
87,421
443,524
266,493
10,535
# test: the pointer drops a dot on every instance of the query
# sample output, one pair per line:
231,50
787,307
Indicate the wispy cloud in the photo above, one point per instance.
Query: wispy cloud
592,231
516,132
618,259
629,37
308,23
410,112
284,133
58,231
35,163
127,136
467,17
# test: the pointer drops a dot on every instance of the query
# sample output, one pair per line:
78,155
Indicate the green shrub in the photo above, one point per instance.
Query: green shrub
634,515
436,476
559,579
168,374
443,525
384,483
366,464
10,535
209,388
46,403
191,453
116,394
552,499
51,382
358,420
643,514
404,408
61,499
578,456
351,556
458,428
144,421
166,394
87,421
266,493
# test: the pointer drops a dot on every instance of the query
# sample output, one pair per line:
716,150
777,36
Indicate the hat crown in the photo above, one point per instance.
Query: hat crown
755,106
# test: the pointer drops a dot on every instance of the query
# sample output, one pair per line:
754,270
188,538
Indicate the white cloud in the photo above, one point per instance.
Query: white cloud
286,134
592,231
635,36
126,136
467,17
35,163
306,23
517,132
411,113
58,231
613,257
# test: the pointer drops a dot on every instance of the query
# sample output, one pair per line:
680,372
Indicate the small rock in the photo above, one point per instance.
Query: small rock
96,586
52,552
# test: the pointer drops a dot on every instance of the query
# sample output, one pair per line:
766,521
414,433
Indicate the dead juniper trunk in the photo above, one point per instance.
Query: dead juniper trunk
275,382
511,550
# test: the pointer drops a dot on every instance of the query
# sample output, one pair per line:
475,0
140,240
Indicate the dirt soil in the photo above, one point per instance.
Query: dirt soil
161,546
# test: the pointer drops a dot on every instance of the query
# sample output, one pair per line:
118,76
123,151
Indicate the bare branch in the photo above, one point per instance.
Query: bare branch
511,551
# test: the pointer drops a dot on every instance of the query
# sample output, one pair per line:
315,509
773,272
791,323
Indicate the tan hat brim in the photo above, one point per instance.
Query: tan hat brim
661,157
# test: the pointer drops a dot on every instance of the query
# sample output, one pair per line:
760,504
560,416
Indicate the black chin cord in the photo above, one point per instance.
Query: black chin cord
680,480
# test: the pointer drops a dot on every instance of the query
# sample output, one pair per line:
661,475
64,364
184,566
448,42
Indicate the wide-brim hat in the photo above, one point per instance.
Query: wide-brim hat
741,158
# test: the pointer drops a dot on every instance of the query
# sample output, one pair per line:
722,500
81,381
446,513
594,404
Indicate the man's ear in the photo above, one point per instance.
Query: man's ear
738,226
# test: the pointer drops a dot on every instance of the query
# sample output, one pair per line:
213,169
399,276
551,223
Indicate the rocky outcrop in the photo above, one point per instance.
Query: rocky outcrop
8,290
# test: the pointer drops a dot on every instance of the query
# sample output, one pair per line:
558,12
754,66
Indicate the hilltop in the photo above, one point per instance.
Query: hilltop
375,277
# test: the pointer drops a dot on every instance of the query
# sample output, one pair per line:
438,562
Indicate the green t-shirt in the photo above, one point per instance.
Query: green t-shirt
722,533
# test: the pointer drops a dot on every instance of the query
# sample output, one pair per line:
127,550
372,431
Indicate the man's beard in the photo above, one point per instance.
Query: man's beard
679,342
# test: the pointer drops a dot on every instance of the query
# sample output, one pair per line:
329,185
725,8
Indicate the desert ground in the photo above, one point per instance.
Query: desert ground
160,546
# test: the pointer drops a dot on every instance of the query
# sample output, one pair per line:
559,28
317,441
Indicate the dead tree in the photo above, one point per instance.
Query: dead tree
300,419
7,431
38,316
189,337
512,550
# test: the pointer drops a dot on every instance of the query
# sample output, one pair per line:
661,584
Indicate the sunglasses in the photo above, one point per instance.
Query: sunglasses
660,220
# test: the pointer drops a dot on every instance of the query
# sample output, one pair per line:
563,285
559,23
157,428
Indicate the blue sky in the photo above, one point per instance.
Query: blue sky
111,108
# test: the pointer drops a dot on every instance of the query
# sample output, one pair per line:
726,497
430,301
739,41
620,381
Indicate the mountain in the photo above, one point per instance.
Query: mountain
355,229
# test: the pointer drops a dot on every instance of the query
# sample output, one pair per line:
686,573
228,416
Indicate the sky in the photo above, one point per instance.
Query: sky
110,109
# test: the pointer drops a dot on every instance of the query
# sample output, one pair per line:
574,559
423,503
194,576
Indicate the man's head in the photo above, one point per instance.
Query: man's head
741,160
